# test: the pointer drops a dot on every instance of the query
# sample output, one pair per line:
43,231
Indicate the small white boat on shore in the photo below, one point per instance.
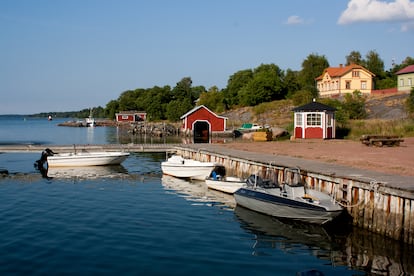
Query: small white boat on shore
81,158
187,168
219,181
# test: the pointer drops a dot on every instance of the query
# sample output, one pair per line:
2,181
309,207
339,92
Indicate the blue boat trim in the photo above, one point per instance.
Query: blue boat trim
278,200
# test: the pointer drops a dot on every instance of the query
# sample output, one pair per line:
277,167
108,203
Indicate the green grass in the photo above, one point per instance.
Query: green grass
402,128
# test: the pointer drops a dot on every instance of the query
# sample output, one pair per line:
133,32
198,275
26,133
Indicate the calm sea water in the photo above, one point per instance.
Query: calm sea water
131,220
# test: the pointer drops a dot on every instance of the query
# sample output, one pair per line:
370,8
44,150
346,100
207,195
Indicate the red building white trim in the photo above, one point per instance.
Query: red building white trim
131,116
314,121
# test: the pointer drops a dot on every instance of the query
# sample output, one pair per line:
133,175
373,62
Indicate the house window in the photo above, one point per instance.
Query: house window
313,119
299,119
329,119
355,74
347,85
363,85
410,82
401,82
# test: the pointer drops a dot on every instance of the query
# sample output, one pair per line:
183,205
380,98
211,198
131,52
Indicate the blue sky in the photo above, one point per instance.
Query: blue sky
58,55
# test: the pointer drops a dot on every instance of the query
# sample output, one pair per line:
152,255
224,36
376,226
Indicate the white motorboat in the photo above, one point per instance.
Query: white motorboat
290,200
90,121
80,158
220,182
187,168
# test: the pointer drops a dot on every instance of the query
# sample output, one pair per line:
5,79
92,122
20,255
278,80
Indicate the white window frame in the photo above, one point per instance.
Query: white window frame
314,119
299,119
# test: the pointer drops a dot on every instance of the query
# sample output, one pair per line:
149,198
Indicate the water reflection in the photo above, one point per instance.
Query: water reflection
196,192
338,243
287,235
91,172
355,248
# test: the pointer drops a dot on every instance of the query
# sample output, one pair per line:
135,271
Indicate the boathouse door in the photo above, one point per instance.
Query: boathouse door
201,132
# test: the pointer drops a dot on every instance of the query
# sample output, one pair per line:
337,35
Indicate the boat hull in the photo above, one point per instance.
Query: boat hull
193,172
82,159
227,185
284,207
187,168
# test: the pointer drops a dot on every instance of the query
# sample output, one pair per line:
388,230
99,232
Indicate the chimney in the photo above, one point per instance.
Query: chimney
340,65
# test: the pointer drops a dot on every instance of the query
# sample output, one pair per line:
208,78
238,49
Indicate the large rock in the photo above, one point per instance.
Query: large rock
278,132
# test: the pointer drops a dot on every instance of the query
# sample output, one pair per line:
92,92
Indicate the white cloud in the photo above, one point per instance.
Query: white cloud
294,20
378,11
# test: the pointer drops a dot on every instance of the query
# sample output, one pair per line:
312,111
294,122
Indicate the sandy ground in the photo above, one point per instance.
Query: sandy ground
396,160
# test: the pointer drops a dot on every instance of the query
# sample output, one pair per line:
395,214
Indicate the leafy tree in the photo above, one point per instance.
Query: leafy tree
176,108
266,85
234,85
127,99
375,64
354,58
291,83
197,90
341,115
155,101
112,107
312,67
354,105
302,97
213,99
182,100
183,90
410,102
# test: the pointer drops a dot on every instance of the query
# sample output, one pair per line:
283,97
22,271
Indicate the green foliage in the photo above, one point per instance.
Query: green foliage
387,82
410,103
302,97
375,64
341,113
291,83
354,58
112,107
381,127
176,108
266,85
312,67
354,105
213,99
235,83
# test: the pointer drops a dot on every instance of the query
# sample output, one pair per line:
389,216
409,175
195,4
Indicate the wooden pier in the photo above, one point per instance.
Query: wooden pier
381,203
90,147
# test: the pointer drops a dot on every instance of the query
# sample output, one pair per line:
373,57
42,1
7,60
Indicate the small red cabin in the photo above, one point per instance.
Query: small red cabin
314,121
131,116
201,121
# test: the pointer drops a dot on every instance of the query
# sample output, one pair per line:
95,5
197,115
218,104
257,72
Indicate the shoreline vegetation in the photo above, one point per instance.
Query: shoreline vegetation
386,115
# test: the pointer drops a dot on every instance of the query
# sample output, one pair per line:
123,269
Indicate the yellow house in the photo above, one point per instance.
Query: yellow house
336,81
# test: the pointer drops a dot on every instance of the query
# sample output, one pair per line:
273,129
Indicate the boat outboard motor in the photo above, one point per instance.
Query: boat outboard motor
40,164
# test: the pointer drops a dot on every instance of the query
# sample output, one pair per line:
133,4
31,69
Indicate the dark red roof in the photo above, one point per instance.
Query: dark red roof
406,70
314,106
